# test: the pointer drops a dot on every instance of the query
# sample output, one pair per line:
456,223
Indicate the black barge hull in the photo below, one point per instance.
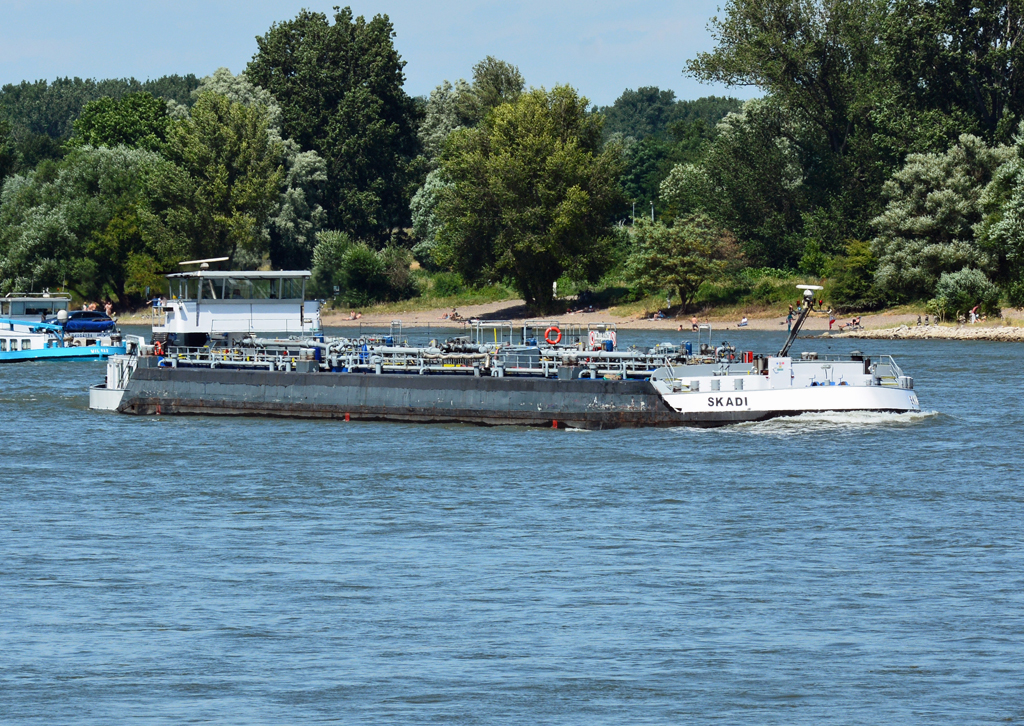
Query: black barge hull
490,401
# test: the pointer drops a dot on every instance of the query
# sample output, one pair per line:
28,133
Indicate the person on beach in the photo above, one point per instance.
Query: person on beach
693,324
743,322
789,320
831,319
108,308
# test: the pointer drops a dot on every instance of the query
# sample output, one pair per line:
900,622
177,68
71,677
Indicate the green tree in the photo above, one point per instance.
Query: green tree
818,63
927,227
678,258
8,156
494,82
1001,231
136,119
88,222
812,56
446,111
340,91
852,285
659,133
956,64
293,223
328,262
227,152
530,196
50,109
650,111
751,181
424,220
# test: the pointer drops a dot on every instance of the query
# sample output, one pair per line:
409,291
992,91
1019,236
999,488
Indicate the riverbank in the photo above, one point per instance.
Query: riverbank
515,311
1001,333
883,325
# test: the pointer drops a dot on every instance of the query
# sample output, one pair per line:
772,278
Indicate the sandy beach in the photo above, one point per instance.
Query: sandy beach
877,325
516,311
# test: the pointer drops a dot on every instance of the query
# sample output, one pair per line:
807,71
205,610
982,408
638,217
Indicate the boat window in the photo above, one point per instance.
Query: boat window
26,344
3,345
291,288
212,289
236,288
260,289
17,308
39,307
14,344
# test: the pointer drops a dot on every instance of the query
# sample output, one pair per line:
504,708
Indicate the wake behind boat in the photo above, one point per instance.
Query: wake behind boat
208,357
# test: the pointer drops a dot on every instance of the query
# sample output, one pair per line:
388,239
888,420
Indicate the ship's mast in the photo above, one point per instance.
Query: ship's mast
808,302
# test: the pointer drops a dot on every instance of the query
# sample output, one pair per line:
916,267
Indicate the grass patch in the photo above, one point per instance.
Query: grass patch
428,301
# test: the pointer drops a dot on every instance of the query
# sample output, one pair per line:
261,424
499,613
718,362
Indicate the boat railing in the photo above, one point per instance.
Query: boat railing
353,356
503,332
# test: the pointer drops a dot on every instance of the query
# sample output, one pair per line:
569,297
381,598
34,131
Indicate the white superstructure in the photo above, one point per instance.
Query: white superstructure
205,309
33,306
784,386
215,303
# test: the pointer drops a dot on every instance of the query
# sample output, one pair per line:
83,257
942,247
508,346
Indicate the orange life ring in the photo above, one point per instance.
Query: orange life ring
158,348
549,331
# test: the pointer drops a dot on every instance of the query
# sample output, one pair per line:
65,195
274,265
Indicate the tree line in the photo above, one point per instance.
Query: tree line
883,157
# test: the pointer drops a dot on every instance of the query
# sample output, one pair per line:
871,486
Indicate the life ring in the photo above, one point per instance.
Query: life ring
558,335
158,348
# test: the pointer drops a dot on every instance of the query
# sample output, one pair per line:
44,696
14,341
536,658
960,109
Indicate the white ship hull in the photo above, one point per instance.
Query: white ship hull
756,404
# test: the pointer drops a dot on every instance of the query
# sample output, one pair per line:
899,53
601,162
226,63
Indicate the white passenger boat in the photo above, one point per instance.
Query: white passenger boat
40,327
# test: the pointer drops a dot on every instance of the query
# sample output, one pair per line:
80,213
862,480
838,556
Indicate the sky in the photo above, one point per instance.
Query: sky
600,47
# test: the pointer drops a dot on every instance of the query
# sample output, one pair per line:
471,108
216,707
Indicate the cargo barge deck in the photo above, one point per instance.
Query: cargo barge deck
533,374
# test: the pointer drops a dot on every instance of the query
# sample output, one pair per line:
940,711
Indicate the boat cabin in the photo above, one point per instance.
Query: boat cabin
202,304
33,306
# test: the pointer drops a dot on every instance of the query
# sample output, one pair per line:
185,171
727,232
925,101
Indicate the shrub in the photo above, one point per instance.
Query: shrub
364,276
328,262
852,286
1015,294
958,292
397,261
447,284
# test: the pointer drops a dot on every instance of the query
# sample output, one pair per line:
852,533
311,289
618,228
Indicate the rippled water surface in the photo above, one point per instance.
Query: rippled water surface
824,569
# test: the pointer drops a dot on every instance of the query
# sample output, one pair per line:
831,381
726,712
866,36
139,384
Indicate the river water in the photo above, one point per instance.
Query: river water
825,569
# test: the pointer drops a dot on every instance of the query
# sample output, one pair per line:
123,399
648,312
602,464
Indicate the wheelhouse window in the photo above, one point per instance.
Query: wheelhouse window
260,289
236,288
291,288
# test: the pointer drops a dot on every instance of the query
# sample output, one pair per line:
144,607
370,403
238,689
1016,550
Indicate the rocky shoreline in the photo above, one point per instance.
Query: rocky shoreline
1002,333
